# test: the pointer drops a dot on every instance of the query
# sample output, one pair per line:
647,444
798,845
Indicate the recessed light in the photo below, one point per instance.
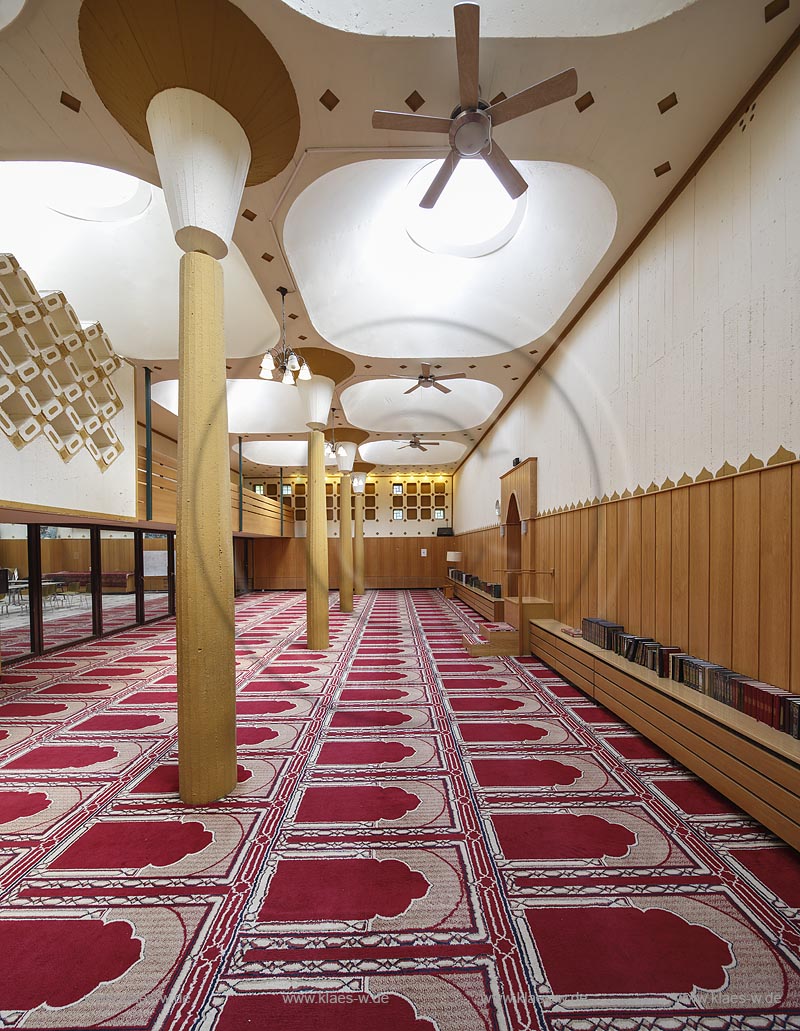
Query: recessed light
667,103
329,100
249,215
583,102
662,169
71,102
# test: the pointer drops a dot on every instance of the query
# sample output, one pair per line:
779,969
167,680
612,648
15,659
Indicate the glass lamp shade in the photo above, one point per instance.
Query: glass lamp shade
287,379
359,481
317,394
265,373
305,372
346,456
267,362
293,364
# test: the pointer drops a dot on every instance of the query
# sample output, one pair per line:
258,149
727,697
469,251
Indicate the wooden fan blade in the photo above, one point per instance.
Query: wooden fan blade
440,180
444,390
396,375
410,123
453,375
421,448
468,26
557,87
513,183
430,443
426,369
411,391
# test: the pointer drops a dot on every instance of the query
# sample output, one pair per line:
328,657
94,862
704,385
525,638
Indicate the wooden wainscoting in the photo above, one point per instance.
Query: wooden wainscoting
712,567
388,562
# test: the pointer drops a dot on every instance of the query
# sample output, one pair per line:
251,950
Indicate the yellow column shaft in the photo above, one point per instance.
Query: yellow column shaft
316,545
358,547
346,546
204,551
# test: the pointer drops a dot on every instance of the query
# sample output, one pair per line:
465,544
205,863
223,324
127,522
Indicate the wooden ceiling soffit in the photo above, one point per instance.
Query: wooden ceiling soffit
134,49
332,364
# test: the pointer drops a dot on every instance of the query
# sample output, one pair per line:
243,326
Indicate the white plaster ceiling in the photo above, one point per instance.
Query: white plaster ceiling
505,18
254,405
396,452
105,240
370,289
709,53
278,453
381,405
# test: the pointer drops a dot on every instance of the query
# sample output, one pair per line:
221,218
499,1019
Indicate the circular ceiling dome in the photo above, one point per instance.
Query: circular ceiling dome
94,193
474,215
10,11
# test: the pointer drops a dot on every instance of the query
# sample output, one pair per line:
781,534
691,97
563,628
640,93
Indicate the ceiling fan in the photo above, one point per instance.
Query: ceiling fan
470,126
427,379
419,445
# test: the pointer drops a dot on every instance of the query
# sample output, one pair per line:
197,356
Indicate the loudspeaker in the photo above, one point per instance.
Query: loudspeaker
444,531
515,462
3,581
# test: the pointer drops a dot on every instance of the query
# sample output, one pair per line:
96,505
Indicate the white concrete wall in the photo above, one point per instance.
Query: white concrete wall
36,475
691,356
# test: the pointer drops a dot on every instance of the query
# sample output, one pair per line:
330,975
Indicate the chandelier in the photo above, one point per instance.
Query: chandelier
331,448
282,363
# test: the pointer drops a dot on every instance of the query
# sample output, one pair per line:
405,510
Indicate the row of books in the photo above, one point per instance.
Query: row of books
764,702
469,580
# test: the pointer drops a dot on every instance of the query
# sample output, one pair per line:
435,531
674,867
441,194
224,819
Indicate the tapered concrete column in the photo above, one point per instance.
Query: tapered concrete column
204,581
345,546
358,545
317,631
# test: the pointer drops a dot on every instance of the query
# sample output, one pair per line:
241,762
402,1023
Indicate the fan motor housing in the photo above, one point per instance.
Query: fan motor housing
470,133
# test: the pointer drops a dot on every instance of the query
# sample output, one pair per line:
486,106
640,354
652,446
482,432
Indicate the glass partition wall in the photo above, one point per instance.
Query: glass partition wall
64,584
15,609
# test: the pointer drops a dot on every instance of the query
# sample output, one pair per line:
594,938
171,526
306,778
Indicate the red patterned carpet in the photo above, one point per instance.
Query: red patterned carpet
418,841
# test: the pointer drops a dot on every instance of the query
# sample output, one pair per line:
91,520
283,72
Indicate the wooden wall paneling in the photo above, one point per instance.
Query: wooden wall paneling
680,569
612,567
662,626
568,551
602,572
775,575
720,572
634,548
577,579
648,566
794,682
583,567
623,563
591,561
14,555
699,534
746,577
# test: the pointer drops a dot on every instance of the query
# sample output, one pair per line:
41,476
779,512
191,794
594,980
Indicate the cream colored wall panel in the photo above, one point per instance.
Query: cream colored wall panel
690,357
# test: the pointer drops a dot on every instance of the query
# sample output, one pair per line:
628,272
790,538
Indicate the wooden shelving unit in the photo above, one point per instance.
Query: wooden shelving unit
755,766
484,604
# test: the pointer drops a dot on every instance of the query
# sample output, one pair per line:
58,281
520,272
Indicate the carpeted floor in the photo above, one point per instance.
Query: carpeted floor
418,841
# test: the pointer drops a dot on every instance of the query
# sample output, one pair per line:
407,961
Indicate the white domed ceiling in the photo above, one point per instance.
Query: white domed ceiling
254,405
504,18
104,238
277,453
478,275
397,452
382,406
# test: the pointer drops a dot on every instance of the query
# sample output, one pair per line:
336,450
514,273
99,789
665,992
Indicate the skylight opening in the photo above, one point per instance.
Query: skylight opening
90,192
10,11
474,215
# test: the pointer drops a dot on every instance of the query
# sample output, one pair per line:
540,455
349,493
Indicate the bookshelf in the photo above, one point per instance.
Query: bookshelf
754,765
484,604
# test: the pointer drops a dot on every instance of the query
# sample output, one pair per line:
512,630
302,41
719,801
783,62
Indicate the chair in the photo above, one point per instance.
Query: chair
4,602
